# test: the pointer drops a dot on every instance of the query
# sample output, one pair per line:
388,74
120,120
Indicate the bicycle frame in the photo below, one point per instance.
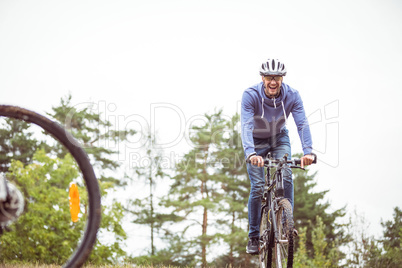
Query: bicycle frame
269,186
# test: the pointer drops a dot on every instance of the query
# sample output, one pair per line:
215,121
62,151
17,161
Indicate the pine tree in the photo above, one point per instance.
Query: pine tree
363,248
392,243
237,188
366,251
308,205
392,232
301,258
95,134
319,256
16,142
196,190
146,211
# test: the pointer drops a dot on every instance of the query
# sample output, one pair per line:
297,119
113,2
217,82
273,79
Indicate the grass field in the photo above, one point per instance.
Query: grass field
85,266
54,266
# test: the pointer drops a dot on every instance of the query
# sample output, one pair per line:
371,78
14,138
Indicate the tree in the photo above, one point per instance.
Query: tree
44,233
236,185
392,232
145,210
94,134
392,243
363,250
319,256
196,189
308,205
43,186
301,258
16,142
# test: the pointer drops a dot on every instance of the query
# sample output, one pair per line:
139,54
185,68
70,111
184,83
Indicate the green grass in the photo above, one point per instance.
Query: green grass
85,266
54,266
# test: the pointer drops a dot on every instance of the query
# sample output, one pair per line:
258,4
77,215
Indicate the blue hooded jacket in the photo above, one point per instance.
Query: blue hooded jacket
262,117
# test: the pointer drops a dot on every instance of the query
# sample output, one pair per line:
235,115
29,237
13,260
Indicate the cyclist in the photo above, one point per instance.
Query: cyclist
265,109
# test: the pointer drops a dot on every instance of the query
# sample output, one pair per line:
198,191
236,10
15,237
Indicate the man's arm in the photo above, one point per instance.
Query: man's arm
247,125
303,127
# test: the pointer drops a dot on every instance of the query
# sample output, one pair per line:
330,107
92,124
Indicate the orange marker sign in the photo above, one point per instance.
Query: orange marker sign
74,202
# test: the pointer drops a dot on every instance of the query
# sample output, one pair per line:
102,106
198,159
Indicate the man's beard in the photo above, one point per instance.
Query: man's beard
278,93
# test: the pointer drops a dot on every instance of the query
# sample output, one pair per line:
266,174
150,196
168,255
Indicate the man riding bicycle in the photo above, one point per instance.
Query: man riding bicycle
265,109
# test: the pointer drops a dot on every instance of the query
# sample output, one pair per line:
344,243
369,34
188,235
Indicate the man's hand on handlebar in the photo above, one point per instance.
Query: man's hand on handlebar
306,160
257,160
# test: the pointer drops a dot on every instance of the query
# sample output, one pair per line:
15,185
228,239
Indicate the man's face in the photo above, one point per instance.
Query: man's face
272,85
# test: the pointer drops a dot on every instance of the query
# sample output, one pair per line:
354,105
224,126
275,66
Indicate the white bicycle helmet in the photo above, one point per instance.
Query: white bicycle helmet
273,67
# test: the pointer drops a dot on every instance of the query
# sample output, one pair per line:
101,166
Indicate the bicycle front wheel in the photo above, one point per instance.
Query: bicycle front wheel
266,234
45,229
284,245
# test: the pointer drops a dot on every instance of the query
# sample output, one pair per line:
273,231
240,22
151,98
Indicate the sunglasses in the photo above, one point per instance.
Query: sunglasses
276,78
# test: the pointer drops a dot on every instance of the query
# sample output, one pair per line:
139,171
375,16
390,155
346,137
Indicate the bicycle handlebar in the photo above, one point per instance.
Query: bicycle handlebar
294,162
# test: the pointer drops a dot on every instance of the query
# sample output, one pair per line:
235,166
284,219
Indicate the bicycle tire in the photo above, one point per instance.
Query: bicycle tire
266,234
88,239
285,244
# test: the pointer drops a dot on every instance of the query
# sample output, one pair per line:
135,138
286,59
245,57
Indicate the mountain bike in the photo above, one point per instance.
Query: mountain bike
81,235
277,226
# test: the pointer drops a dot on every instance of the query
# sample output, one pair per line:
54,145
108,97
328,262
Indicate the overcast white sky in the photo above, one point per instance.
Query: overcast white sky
164,63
